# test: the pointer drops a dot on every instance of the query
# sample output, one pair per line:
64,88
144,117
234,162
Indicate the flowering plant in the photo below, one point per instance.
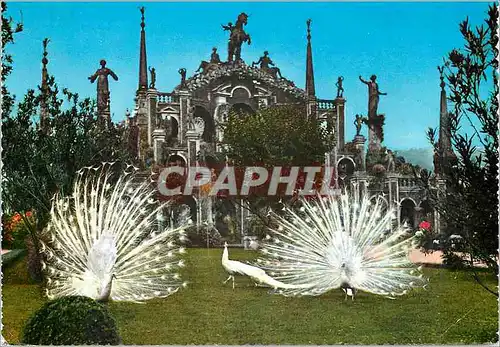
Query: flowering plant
15,228
428,241
423,228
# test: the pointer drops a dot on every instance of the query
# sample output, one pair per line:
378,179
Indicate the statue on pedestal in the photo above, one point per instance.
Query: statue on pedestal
190,118
340,88
358,122
182,72
373,95
237,37
102,86
153,77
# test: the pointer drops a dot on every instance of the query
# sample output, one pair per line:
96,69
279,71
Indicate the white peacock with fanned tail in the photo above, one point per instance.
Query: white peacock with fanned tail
103,242
338,242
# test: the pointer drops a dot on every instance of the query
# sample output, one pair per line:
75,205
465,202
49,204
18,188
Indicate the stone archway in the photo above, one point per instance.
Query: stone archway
345,169
209,132
176,160
408,213
174,128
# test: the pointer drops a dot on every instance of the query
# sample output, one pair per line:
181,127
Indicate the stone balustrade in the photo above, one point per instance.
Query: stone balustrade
324,104
167,98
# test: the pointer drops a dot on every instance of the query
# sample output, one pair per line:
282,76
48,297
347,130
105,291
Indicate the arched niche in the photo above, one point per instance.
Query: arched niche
345,169
174,127
407,213
176,160
209,131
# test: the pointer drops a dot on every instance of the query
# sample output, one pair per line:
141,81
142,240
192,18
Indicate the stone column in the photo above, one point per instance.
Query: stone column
398,213
441,190
221,112
359,143
159,136
151,110
193,144
393,182
184,104
339,110
141,116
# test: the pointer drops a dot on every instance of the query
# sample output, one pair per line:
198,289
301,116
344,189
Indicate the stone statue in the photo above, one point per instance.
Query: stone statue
358,122
214,57
214,62
182,72
229,27
153,78
237,37
190,118
265,64
340,88
102,86
373,95
389,159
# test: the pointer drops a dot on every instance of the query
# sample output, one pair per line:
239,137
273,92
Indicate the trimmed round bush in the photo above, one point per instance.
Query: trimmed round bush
71,320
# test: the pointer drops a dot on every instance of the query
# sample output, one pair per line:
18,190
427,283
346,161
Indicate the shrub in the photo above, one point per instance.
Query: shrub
198,236
15,230
71,320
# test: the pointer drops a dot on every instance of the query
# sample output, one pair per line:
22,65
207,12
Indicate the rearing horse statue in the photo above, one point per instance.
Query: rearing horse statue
237,37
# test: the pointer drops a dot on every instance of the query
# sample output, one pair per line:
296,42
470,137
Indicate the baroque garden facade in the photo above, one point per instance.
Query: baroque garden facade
173,127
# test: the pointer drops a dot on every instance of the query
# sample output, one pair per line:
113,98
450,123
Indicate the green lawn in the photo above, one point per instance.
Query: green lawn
454,309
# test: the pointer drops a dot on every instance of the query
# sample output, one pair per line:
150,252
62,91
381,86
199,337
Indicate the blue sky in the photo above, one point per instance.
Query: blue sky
402,43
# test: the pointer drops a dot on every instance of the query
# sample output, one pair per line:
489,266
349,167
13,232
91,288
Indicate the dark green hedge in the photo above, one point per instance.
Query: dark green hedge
71,320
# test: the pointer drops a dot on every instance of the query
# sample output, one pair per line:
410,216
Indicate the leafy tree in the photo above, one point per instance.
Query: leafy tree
37,163
274,136
7,61
469,205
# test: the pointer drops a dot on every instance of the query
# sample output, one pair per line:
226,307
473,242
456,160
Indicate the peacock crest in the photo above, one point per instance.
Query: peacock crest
104,241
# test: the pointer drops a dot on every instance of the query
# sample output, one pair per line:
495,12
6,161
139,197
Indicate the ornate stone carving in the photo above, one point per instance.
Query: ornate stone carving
201,80
199,125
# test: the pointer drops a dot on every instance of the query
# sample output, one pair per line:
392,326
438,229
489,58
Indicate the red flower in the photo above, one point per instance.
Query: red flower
425,225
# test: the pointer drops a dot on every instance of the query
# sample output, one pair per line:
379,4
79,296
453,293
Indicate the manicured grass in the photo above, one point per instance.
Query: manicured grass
454,309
